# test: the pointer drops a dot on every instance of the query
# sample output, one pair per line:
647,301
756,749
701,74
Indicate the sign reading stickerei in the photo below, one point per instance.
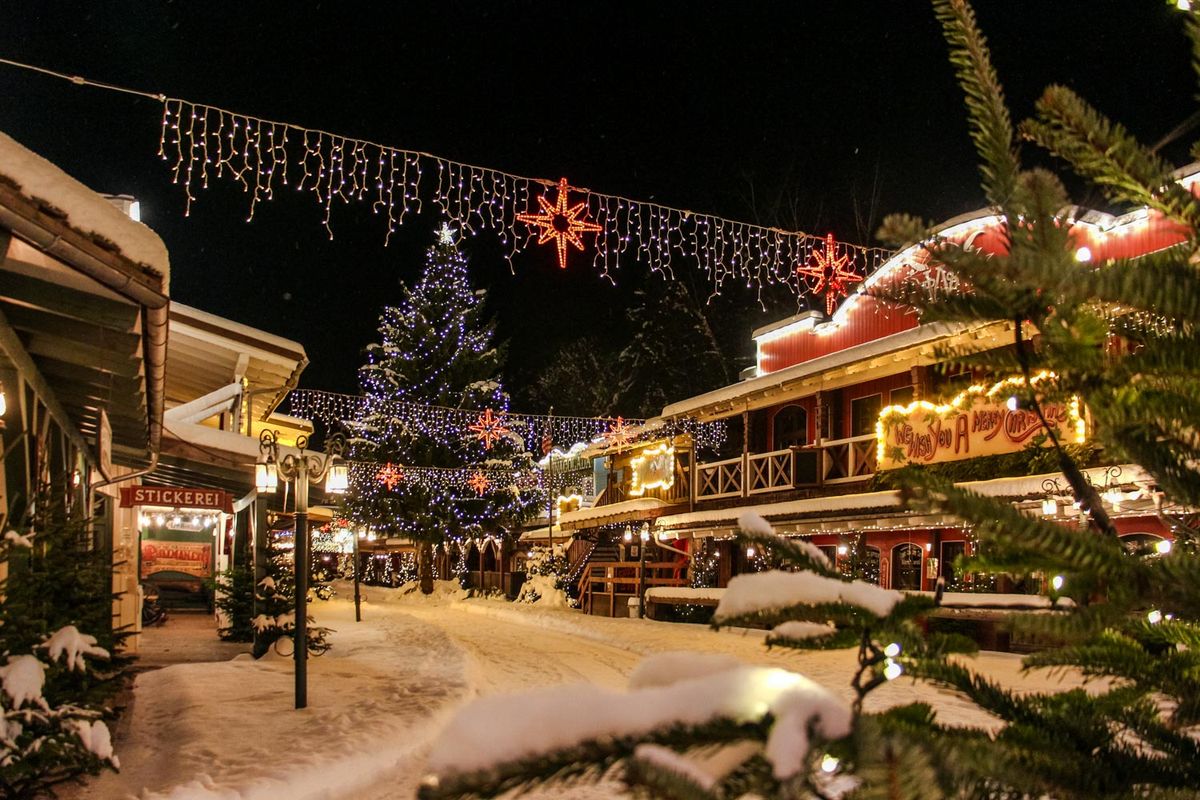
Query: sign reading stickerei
175,497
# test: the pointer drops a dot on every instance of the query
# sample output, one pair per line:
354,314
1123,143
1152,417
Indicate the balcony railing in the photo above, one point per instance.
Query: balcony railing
830,461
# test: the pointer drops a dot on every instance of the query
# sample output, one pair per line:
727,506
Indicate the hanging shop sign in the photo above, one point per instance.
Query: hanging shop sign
978,422
193,559
175,497
652,468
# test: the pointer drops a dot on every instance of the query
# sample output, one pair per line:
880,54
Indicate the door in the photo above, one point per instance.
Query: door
906,566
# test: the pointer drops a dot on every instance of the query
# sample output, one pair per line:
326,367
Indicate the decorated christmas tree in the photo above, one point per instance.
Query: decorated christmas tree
436,348
1121,335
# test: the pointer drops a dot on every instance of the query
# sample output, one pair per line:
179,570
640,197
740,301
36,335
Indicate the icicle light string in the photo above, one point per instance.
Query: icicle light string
204,143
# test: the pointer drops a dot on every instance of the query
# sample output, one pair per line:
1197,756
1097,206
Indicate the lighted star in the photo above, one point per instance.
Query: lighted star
618,433
489,428
445,234
479,483
561,223
390,475
831,273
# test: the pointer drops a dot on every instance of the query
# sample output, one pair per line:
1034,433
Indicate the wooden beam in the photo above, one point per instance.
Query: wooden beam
11,345
32,320
21,289
70,352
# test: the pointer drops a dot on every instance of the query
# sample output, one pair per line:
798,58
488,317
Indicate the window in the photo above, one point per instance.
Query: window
950,553
864,413
790,428
906,566
830,551
902,396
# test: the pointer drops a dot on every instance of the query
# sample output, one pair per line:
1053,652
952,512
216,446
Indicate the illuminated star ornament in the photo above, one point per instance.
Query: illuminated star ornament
831,273
489,428
390,475
618,433
445,234
479,483
561,223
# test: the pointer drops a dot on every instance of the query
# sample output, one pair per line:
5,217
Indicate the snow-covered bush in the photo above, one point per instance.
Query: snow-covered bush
545,574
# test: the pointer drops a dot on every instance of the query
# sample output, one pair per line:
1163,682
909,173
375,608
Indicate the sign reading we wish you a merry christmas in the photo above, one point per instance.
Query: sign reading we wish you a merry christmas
974,424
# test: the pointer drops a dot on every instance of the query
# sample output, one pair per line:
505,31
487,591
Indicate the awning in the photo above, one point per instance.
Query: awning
641,508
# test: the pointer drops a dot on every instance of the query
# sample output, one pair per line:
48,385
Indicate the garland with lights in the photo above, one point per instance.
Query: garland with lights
204,143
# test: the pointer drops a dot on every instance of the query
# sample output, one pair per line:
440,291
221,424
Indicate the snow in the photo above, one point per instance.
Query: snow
668,760
535,724
68,641
684,594
764,591
86,211
997,600
17,540
97,740
547,591
23,678
800,630
664,669
381,695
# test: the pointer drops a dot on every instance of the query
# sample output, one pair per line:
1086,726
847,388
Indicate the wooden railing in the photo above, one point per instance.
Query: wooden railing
848,459
831,461
607,580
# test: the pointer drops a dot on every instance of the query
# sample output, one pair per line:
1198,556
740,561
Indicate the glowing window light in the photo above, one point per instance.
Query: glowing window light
662,458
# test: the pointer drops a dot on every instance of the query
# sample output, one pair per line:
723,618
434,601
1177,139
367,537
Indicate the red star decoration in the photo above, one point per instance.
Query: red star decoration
831,273
479,483
618,433
390,475
561,223
489,428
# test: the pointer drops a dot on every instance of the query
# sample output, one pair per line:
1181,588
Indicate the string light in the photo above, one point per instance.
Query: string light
489,428
829,273
560,222
203,143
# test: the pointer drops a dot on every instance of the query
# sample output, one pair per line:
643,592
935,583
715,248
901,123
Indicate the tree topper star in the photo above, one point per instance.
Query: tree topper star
489,428
618,433
560,222
830,272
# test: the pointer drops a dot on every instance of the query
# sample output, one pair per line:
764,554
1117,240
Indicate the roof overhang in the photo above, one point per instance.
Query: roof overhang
641,509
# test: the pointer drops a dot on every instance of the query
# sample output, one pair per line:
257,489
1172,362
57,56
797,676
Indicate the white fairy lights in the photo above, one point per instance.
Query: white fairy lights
204,143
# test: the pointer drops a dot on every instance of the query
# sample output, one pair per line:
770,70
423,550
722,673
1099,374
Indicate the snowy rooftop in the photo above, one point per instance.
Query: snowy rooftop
86,211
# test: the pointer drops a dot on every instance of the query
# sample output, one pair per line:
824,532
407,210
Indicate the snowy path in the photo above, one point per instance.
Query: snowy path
227,731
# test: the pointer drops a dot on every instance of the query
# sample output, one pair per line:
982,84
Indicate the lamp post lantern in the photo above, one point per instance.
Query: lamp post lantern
301,469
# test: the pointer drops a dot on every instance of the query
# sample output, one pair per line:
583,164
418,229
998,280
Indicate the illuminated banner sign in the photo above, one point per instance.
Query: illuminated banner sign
189,558
175,497
975,423
653,468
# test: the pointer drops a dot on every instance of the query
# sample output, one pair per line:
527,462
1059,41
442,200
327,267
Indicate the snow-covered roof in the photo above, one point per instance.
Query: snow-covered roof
898,341
84,210
626,509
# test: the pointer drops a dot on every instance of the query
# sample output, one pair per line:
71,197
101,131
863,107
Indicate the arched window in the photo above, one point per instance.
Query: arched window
472,558
790,428
906,566
1141,544
489,557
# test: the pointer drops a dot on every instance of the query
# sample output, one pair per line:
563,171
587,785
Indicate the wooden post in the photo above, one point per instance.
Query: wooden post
745,452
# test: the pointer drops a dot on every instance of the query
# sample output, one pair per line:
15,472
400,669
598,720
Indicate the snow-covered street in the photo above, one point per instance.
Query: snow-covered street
227,731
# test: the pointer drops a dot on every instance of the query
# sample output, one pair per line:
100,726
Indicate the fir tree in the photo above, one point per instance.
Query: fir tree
436,348
1122,336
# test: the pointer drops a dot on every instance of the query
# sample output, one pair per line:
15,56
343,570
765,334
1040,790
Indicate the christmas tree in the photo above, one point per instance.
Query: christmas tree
1121,335
436,348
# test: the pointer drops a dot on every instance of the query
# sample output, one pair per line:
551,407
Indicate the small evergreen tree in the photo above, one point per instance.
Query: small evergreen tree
1121,335
234,593
55,624
435,348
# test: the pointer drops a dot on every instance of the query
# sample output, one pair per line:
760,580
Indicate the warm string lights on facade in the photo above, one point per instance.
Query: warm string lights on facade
371,477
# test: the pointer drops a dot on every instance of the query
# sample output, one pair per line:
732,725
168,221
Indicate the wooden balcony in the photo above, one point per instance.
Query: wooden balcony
605,587
829,462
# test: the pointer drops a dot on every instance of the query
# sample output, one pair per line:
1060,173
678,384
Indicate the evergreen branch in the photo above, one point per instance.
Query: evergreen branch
797,554
587,760
990,125
1105,153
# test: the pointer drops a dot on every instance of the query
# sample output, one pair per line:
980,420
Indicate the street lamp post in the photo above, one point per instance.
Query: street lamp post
357,596
302,469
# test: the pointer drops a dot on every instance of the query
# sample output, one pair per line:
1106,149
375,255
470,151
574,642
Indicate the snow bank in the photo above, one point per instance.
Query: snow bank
536,724
684,594
86,211
765,591
97,740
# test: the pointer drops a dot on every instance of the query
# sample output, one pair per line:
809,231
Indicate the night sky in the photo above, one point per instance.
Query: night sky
822,116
